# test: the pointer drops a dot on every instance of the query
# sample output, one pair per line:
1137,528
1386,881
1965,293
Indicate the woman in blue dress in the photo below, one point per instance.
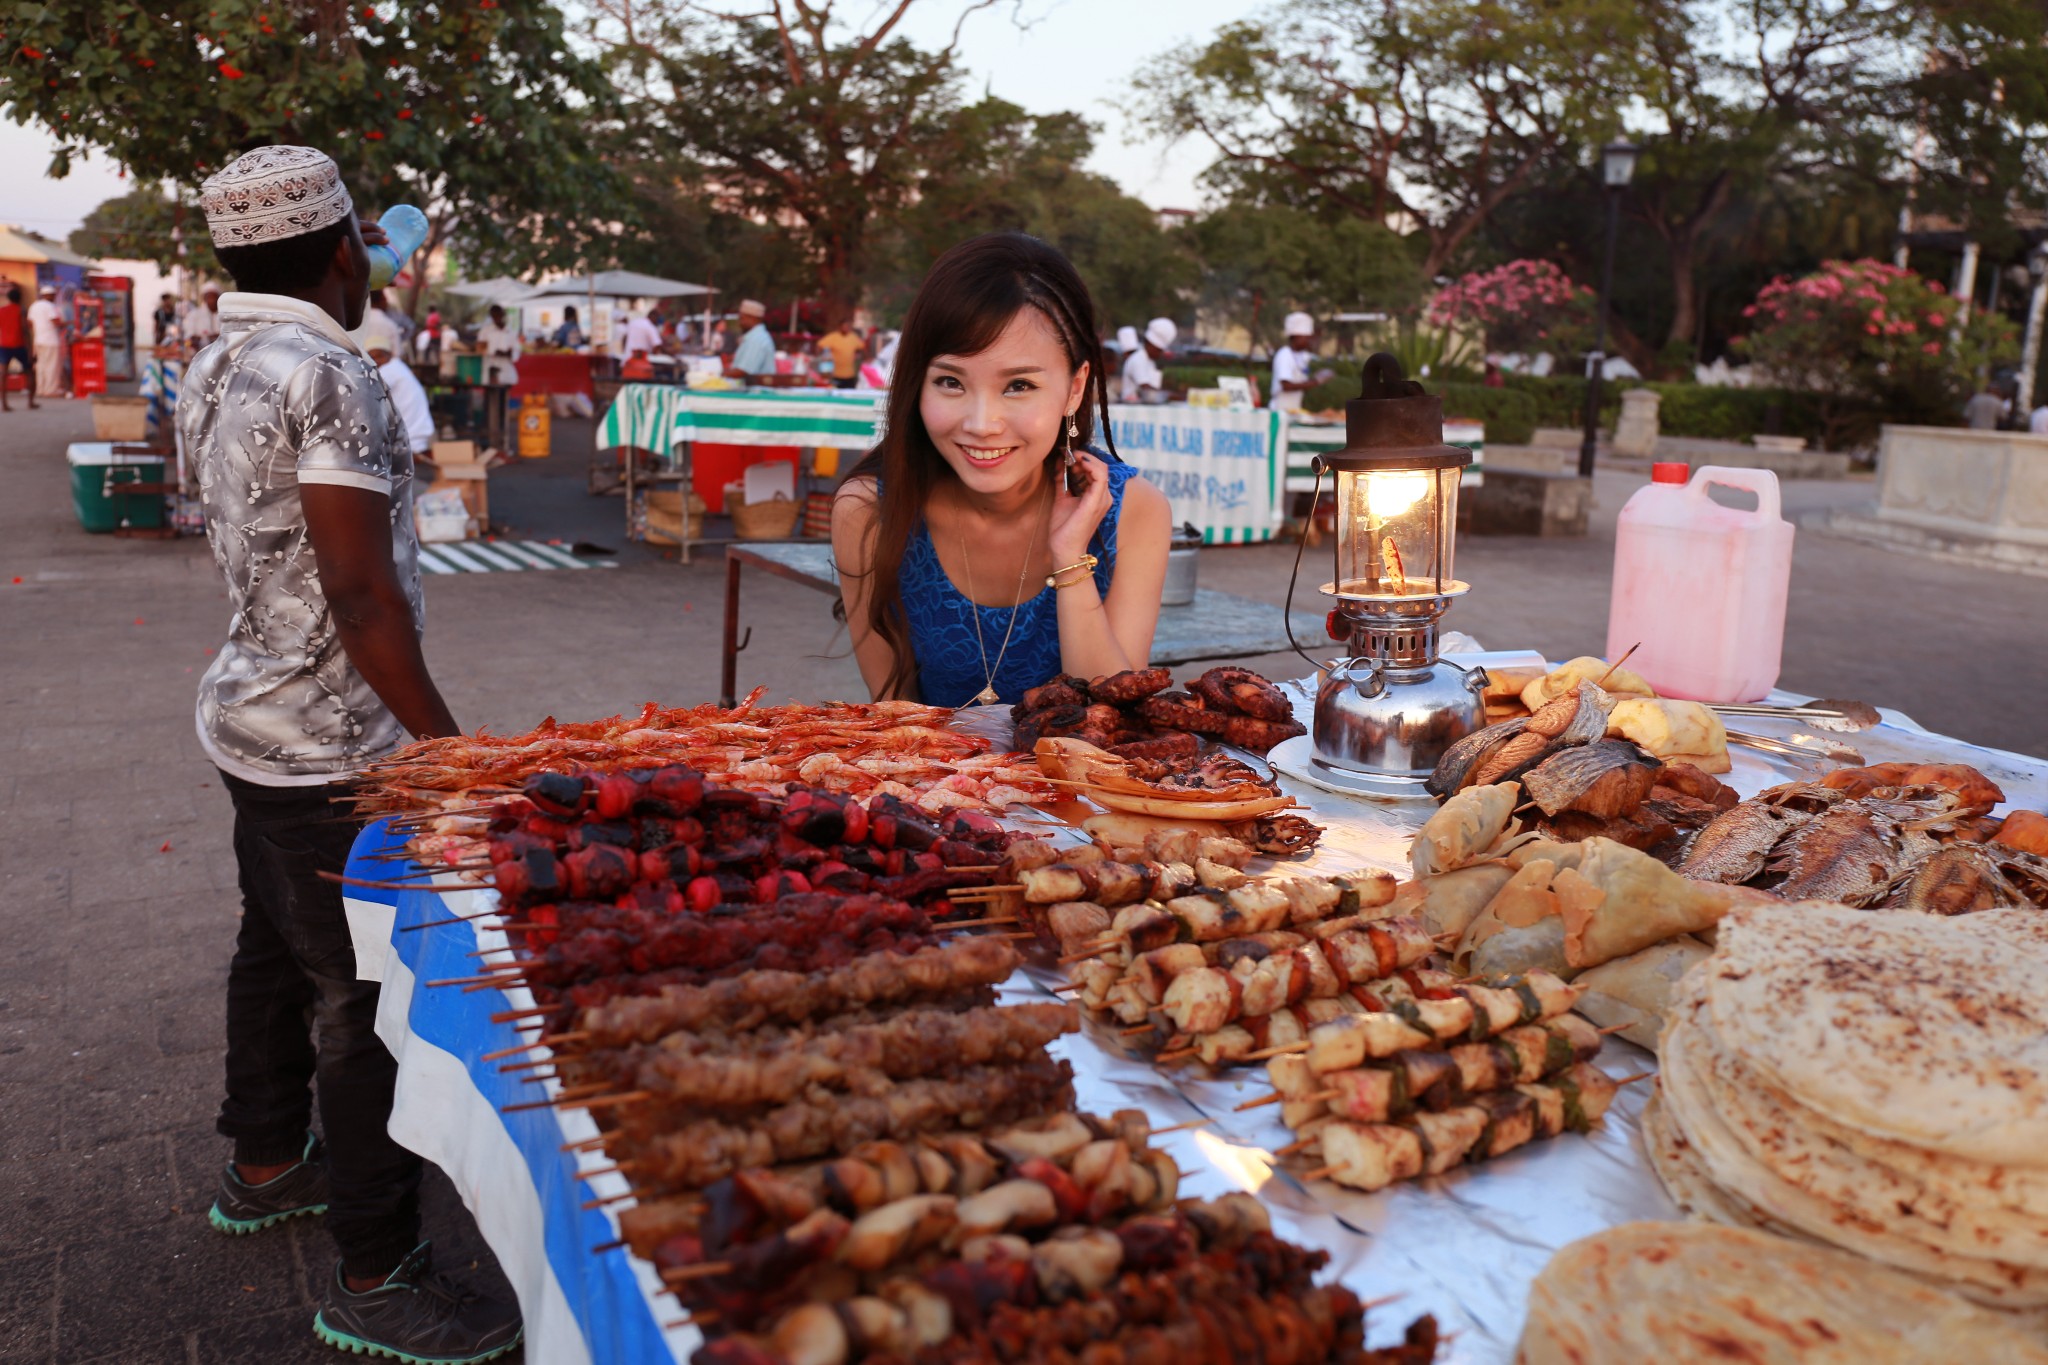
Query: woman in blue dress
971,564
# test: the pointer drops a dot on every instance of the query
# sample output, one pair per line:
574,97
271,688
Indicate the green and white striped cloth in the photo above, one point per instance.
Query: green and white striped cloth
655,417
1304,441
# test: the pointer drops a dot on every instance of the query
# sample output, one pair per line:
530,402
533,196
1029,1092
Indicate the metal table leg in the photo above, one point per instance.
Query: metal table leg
729,660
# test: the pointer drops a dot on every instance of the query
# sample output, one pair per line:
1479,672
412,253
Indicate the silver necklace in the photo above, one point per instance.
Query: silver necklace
988,695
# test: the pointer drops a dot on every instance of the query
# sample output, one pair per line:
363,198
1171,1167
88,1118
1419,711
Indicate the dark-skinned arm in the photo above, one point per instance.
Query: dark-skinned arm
351,533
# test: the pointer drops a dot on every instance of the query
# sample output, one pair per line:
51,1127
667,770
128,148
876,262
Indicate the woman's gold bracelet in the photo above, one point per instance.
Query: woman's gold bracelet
1086,564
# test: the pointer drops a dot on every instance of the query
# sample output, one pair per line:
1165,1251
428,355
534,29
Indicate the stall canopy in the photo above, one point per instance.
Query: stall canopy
501,289
620,284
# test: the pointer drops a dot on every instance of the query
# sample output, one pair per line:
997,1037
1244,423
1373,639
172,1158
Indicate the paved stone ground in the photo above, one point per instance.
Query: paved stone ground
117,887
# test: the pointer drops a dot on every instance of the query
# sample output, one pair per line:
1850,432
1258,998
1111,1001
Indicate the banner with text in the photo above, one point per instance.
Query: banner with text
1220,469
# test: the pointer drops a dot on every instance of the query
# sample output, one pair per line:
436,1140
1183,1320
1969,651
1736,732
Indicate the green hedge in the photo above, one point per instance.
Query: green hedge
1511,417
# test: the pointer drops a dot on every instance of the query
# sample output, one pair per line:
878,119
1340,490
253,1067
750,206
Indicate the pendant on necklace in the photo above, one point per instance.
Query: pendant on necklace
986,697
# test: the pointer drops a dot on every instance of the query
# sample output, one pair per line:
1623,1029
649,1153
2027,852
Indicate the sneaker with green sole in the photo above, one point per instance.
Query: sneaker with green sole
418,1316
243,1208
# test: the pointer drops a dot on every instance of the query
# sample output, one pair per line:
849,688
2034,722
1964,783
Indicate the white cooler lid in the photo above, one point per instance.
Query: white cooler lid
102,453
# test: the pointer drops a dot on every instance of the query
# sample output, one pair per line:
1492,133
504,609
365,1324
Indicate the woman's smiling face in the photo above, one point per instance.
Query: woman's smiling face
995,416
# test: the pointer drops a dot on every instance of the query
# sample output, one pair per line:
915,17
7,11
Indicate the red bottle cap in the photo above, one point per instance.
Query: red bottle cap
1670,471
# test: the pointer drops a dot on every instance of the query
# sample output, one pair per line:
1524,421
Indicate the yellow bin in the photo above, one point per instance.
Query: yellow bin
535,432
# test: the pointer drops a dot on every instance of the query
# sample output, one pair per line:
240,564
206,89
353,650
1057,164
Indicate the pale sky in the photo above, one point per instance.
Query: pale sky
1075,54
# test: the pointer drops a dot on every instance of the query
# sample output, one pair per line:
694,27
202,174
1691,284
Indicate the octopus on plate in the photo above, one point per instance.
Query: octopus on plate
1243,691
1132,685
1179,711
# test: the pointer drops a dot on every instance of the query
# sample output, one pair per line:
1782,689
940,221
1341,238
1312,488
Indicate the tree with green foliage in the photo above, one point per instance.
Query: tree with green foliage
1426,113
787,115
1260,262
148,224
1004,170
479,112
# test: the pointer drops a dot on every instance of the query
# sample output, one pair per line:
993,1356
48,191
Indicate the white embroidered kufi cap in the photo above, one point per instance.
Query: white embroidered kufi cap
1161,332
1300,325
273,193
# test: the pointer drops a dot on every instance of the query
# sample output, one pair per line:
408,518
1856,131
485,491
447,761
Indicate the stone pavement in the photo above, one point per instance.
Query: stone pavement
117,887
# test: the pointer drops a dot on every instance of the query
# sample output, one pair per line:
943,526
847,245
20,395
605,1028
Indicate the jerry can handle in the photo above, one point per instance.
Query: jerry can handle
1761,482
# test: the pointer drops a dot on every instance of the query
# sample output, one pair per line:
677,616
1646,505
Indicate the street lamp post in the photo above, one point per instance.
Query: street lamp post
2030,354
1617,167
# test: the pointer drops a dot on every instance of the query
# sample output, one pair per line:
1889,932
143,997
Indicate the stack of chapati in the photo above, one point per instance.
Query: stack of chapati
1690,1293
1877,1081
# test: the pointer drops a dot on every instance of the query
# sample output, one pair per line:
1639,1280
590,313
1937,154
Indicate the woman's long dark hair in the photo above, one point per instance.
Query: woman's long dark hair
972,293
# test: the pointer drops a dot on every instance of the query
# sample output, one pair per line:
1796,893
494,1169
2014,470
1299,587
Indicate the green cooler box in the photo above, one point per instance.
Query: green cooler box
97,478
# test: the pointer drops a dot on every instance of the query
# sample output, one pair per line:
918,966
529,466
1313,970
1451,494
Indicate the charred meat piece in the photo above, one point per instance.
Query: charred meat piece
1604,780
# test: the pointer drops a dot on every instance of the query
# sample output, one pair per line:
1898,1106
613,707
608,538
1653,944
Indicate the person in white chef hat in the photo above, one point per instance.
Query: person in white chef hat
1143,381
1291,374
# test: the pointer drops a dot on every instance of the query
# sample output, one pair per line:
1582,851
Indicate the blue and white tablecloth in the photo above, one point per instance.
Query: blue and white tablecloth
582,1307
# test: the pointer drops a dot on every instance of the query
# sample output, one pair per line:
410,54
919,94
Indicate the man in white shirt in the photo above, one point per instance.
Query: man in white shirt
202,324
1143,382
46,324
1291,377
2038,421
408,395
642,336
501,349
756,354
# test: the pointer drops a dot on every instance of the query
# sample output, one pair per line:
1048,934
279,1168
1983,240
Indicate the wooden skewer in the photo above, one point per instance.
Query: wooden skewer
567,1099
527,1065
494,983
1275,1098
507,1016
608,1199
1639,1076
1134,1032
1181,1127
977,923
1301,1146
486,952
1169,1058
618,1169
704,1271
602,1247
1614,1028
1319,1173
605,1101
574,1036
452,919
488,979
1024,935
586,1145
327,876
693,1319
1381,1302
1602,682
1266,1052
1097,951
968,893
538,1077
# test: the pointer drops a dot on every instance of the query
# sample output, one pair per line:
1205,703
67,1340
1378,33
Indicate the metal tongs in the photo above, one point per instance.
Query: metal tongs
1842,717
1807,747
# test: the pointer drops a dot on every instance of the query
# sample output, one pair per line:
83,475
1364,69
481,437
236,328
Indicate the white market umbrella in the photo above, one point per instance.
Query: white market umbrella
620,284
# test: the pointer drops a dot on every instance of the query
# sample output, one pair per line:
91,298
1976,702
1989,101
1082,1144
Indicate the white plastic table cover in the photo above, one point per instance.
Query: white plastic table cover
1463,1246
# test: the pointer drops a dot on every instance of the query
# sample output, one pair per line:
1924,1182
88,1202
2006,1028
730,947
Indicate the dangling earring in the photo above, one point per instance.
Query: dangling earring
1073,434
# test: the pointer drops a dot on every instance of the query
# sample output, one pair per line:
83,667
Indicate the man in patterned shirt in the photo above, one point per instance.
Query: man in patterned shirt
305,472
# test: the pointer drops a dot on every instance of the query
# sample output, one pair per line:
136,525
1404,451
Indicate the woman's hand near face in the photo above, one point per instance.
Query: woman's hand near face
1075,518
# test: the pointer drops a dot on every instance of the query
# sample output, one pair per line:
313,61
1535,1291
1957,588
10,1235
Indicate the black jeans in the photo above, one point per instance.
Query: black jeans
296,1013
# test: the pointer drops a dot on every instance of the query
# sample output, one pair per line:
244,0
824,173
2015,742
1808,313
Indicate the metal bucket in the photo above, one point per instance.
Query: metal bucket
1179,589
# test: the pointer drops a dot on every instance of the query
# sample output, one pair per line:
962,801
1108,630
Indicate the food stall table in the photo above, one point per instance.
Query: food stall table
1216,625
726,430
1464,1246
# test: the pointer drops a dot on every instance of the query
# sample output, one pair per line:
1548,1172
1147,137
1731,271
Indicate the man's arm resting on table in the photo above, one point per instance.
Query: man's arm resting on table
351,533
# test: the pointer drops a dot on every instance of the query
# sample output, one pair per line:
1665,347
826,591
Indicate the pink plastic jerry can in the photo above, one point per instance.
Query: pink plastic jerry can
1702,586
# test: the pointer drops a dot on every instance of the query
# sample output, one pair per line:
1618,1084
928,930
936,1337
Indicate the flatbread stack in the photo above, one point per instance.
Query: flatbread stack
1686,1293
1874,1081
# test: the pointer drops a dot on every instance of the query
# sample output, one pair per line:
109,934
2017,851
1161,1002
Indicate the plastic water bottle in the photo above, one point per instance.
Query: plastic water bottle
1701,586
406,226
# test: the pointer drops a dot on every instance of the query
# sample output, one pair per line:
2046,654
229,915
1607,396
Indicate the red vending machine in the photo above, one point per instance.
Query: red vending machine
88,345
117,318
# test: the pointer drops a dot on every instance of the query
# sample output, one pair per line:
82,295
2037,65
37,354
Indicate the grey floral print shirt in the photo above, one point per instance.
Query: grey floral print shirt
284,398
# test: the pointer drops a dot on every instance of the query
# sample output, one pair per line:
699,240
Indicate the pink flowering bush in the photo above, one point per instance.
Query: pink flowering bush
1869,331
1525,305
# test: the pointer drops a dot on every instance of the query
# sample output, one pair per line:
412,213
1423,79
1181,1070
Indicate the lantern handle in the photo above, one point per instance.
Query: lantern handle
1287,613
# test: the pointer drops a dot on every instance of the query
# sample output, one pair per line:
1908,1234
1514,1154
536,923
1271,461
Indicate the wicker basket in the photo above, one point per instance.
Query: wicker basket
772,520
120,419
666,524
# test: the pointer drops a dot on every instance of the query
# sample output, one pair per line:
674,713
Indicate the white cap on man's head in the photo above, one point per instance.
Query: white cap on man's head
1300,325
1161,332
1127,339
273,193
47,289
753,307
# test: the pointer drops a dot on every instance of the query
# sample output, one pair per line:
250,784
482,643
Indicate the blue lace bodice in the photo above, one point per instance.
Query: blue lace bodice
949,662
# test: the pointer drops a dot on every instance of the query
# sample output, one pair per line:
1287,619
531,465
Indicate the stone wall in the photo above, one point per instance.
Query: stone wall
1953,481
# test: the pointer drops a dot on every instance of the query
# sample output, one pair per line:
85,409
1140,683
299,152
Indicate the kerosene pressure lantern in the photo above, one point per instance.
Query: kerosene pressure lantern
1385,715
